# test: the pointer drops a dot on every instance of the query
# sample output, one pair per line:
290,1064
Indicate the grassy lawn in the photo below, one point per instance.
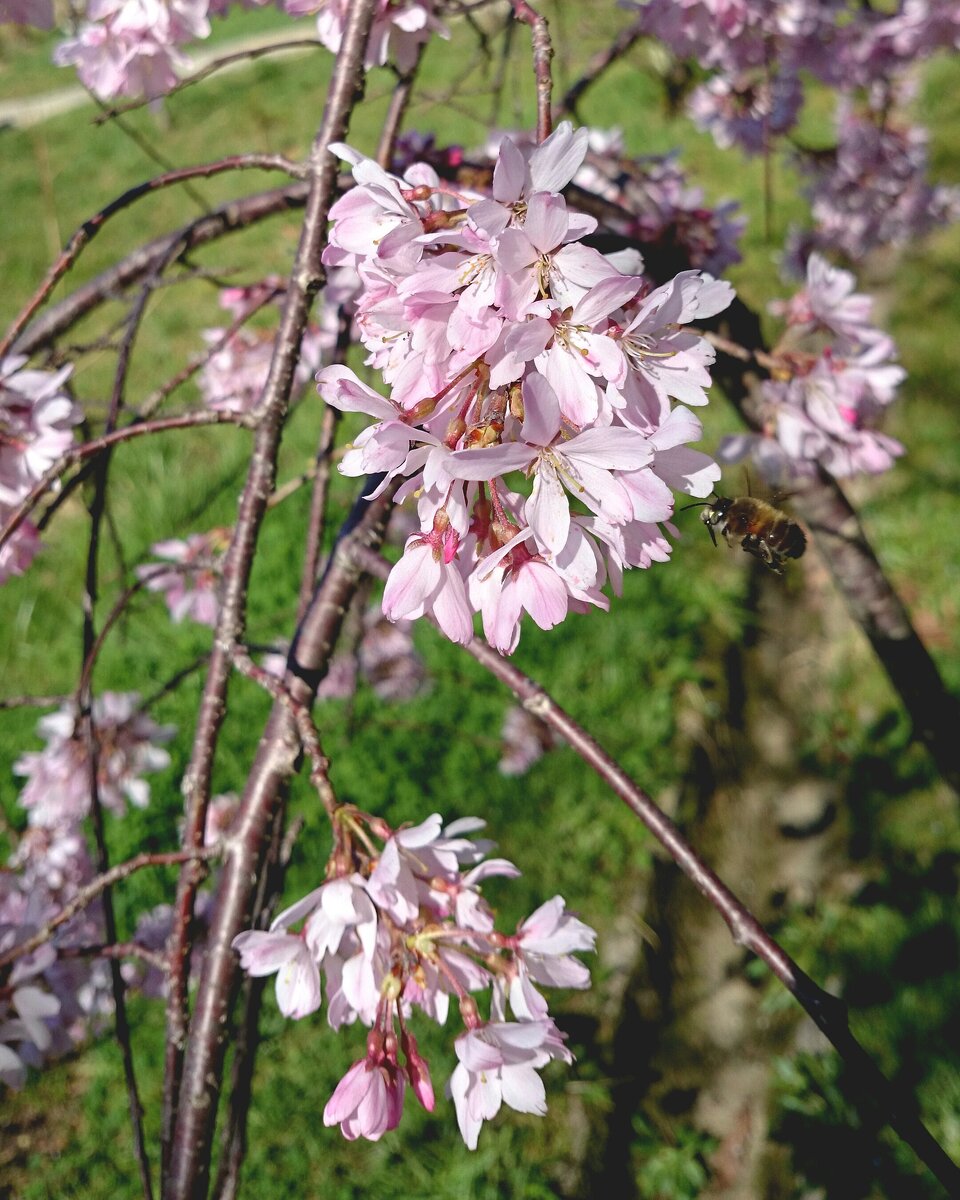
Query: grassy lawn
621,674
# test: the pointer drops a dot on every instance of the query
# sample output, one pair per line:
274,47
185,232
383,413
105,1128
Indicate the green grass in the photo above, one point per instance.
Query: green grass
621,674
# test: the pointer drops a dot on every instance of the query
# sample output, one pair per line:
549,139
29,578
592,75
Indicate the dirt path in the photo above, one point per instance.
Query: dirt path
26,111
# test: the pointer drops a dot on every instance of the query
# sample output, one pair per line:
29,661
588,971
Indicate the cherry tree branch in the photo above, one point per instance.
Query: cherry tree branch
194,1061
542,56
118,950
87,730
231,217
92,226
106,442
90,891
622,44
828,1012
211,68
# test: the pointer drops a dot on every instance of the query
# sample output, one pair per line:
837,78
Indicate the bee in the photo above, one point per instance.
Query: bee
760,529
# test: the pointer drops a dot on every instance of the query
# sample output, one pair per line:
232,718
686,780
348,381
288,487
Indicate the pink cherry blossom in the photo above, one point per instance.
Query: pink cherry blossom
37,418
58,777
368,1100
498,1064
191,591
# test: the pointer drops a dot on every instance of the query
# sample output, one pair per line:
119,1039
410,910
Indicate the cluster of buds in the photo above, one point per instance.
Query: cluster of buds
404,927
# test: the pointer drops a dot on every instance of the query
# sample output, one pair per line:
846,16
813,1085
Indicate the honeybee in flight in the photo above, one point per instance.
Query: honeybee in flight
757,526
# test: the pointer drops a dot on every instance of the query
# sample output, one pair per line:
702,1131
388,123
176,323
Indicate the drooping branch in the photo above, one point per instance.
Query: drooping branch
104,443
86,895
828,1012
251,54
85,723
92,226
231,217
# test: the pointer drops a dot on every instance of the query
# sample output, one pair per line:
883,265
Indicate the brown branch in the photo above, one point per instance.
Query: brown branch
306,729
86,729
92,226
90,891
828,1012
542,55
105,442
255,52
194,1062
399,101
116,950
231,217
32,701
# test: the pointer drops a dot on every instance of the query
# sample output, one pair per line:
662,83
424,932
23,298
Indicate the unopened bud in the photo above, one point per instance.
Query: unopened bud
455,431
423,408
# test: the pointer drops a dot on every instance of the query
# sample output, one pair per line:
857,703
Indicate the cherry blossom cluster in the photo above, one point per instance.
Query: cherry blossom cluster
873,191
135,47
511,348
189,586
823,404
52,1000
129,744
401,927
37,419
760,52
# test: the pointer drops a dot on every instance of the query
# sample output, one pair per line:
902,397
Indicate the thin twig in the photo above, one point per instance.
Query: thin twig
211,68
153,958
88,733
232,217
105,442
399,101
92,226
33,701
90,891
